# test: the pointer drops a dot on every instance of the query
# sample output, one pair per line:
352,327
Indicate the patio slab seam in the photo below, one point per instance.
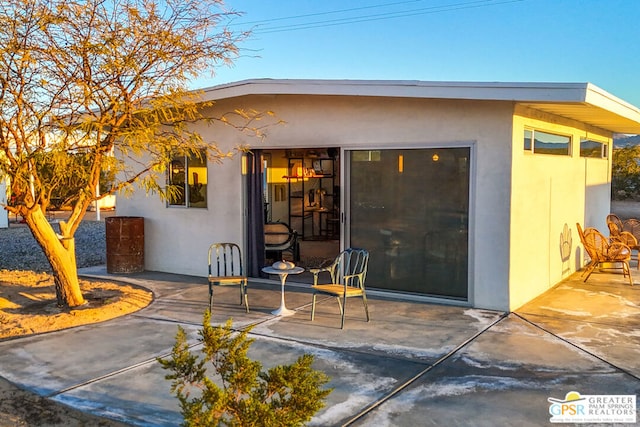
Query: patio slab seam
152,360
273,319
420,374
479,345
577,347
570,321
109,375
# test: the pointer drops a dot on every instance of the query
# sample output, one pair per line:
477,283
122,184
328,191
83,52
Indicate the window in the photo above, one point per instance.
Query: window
591,148
528,138
188,177
547,143
422,243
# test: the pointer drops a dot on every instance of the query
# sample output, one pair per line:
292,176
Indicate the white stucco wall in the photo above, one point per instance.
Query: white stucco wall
176,240
548,192
598,192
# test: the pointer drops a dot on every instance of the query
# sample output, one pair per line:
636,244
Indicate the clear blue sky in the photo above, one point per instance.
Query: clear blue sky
595,41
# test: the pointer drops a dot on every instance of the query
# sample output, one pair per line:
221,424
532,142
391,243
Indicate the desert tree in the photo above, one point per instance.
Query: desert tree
92,77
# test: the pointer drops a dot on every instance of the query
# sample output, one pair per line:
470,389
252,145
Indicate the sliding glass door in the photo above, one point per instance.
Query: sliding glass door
410,209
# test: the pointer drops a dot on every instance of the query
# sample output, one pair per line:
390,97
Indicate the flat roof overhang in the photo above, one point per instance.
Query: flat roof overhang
583,102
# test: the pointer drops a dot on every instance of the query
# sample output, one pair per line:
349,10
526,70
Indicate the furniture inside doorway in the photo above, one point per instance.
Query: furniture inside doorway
313,193
302,189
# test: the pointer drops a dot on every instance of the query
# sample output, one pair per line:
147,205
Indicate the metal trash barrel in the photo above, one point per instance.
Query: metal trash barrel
125,244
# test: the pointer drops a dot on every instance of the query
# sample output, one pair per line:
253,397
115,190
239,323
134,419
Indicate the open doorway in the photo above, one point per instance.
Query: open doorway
302,189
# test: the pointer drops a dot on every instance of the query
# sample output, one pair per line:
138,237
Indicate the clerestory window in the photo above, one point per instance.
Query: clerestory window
539,142
595,149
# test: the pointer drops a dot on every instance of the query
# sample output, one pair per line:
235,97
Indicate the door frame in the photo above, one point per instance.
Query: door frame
345,215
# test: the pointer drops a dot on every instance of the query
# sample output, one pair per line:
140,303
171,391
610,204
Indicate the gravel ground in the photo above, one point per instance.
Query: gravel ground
19,250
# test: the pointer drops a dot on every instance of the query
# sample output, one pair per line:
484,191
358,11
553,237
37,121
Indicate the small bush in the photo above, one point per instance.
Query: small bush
625,173
285,395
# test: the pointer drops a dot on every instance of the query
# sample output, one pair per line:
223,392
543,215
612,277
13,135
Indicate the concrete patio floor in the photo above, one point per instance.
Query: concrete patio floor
414,364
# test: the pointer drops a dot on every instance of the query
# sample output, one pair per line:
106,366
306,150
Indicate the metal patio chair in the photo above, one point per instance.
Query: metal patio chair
348,273
225,268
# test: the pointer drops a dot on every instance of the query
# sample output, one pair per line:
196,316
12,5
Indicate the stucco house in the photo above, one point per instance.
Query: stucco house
465,193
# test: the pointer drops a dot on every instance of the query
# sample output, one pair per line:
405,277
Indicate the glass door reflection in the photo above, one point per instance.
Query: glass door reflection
410,209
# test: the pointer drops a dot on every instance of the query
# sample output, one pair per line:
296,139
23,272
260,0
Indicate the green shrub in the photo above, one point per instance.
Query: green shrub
285,395
625,173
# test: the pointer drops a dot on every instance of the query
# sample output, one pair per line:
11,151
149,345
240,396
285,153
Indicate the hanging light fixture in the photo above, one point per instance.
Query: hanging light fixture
177,166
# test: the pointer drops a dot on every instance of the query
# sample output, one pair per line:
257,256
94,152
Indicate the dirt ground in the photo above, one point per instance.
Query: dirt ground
28,306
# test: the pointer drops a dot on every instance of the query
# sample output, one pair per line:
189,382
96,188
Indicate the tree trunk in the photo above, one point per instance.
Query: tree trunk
60,252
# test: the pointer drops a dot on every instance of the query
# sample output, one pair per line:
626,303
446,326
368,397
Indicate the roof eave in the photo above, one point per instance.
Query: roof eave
584,102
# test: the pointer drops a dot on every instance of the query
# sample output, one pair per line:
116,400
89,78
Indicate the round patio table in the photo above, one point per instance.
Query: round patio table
283,310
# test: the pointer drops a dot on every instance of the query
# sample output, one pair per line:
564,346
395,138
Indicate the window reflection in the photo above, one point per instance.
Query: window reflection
413,219
547,143
188,178
590,148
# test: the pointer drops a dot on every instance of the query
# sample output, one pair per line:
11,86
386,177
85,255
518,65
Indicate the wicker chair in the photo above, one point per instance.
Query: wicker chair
627,232
614,223
603,251
278,238
632,226
348,273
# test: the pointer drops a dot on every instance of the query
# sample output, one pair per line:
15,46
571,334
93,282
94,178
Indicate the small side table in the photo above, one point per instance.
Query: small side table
283,310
